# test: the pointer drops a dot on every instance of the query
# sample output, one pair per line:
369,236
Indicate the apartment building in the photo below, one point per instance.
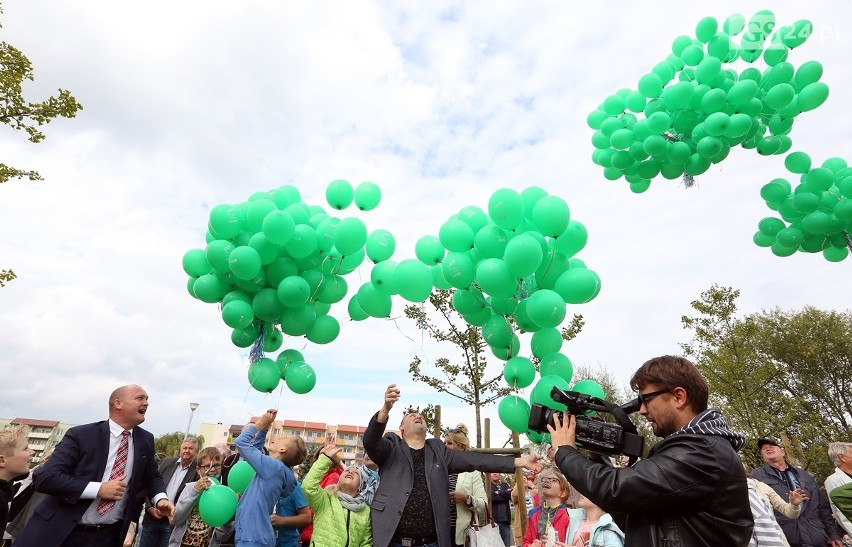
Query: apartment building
44,434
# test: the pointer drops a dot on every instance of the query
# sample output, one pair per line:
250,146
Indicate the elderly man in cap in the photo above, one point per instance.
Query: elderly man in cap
815,525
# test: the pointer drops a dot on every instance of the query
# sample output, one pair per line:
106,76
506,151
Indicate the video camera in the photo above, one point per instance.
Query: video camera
593,434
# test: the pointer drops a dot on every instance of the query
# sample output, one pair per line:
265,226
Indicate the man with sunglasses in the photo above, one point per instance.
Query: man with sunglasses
691,490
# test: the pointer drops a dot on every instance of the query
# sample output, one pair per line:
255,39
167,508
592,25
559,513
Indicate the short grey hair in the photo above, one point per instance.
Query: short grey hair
835,450
193,440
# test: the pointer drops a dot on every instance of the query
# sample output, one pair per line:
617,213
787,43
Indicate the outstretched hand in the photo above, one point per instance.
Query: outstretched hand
330,449
265,421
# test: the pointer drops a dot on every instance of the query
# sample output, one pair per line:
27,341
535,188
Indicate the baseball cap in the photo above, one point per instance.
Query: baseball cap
768,440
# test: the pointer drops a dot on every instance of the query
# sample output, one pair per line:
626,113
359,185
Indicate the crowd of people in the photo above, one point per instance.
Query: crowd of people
415,491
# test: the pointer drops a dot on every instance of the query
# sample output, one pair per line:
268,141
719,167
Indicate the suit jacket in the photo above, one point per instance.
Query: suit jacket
396,467
79,459
167,469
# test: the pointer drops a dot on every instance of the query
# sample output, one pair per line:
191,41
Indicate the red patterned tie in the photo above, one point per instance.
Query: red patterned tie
105,506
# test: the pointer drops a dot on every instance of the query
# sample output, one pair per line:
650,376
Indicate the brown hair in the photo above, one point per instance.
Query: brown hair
296,451
210,453
669,372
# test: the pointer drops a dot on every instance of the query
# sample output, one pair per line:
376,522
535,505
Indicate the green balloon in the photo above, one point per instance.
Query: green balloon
706,29
195,263
456,235
502,352
298,321
217,253
373,302
658,122
819,179
556,364
468,302
519,372
474,217
490,241
572,240
429,250
551,215
272,340
770,226
303,243
367,196
325,330
775,191
382,278
595,118
243,338
762,240
720,47
244,474
478,319
522,319
692,55
812,96
294,291
300,378
266,305
709,70
523,255
237,314
458,270
546,308
217,504
266,250
413,280
286,358
506,208
546,341
495,278
209,288
263,375
339,194
356,313
635,101
332,289
835,254
782,251
514,412
497,332
802,30
590,388
578,285
541,391
278,226
225,221
350,235
380,245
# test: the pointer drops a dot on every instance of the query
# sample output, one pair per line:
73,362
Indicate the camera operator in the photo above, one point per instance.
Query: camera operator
691,490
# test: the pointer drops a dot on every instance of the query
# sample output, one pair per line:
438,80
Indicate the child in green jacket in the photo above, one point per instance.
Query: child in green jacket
341,515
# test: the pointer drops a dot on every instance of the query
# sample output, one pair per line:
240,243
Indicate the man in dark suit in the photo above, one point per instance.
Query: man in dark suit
176,472
411,508
93,478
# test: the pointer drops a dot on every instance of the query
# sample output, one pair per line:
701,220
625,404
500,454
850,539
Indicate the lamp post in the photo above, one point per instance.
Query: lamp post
192,407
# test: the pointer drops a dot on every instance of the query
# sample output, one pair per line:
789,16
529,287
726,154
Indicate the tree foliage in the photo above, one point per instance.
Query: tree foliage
6,276
464,379
776,371
23,115
168,445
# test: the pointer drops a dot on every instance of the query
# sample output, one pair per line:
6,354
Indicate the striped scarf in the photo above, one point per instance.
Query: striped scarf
711,422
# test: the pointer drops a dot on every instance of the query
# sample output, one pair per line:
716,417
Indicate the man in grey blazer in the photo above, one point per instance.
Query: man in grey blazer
412,505
176,471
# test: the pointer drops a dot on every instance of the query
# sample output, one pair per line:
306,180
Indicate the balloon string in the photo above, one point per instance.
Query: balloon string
848,239
256,351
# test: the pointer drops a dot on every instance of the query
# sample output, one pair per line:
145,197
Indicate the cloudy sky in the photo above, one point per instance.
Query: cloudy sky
191,104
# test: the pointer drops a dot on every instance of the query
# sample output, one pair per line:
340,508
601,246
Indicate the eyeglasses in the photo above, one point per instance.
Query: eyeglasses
546,480
645,398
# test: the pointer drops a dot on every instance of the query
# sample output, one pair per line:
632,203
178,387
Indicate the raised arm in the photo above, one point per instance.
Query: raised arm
251,440
377,447
314,493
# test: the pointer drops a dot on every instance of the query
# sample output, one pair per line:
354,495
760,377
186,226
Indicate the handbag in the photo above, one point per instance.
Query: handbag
485,534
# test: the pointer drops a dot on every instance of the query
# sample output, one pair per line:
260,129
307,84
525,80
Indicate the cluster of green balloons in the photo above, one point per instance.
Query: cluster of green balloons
512,266
816,215
275,265
689,111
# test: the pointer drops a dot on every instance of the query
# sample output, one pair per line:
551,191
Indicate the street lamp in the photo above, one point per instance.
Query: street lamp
192,407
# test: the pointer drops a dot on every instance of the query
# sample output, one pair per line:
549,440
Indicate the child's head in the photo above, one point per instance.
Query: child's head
585,503
552,485
290,450
15,452
350,480
209,462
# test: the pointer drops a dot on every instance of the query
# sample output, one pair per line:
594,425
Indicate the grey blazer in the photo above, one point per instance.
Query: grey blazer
396,470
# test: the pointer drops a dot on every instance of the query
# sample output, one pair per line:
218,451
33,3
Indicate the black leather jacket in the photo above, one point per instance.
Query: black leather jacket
691,491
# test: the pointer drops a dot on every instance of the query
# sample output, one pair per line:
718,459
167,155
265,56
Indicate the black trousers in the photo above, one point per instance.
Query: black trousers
92,536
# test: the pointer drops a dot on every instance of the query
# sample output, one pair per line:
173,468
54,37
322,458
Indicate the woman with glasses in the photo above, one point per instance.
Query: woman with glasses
467,492
548,524
189,529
